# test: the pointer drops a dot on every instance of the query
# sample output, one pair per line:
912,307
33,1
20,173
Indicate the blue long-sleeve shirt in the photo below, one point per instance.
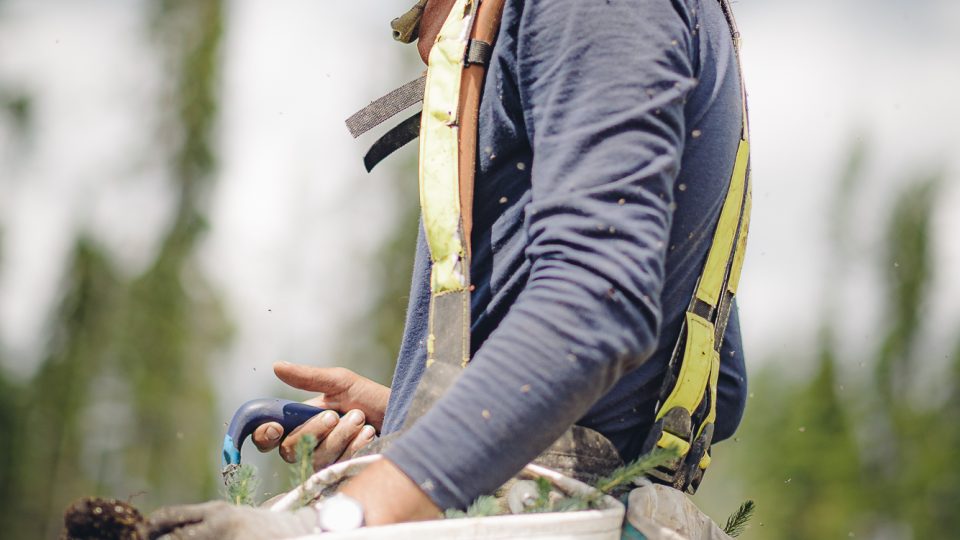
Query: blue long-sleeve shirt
607,135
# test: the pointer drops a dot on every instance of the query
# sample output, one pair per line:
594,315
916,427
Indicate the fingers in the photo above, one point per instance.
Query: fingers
319,426
315,379
363,438
336,442
267,436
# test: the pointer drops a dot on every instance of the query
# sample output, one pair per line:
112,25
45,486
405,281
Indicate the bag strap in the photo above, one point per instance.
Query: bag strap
687,410
476,59
448,134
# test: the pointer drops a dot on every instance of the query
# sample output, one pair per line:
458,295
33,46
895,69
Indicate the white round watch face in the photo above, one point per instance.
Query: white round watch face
340,513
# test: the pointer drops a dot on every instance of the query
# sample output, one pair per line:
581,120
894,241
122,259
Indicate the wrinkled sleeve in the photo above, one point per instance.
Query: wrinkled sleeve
602,86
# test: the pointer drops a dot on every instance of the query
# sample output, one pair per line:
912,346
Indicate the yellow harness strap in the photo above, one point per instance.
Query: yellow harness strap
439,173
686,416
447,160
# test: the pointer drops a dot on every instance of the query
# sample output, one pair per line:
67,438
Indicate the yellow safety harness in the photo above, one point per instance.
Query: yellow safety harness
686,415
447,129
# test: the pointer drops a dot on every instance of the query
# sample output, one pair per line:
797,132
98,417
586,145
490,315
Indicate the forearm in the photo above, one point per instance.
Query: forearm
561,347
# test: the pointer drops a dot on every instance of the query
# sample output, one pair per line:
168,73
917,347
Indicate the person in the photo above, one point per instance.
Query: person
607,132
607,135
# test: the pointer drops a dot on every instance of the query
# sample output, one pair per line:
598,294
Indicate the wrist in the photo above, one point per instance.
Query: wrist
387,496
379,397
339,513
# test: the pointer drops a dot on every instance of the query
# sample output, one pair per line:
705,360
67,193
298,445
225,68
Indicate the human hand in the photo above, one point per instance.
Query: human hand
220,520
342,391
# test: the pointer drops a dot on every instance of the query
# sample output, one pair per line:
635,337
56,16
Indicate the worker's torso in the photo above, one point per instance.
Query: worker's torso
500,268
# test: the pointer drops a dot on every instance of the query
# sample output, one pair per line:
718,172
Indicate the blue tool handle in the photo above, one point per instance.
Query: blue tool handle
252,414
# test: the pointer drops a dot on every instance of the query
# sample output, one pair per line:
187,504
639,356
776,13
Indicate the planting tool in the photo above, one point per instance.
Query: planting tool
252,414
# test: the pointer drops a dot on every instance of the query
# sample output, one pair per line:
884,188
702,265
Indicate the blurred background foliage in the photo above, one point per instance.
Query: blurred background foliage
862,448
117,404
860,444
382,323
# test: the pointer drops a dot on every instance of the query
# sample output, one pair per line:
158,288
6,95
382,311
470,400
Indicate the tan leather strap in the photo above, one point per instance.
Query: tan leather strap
471,87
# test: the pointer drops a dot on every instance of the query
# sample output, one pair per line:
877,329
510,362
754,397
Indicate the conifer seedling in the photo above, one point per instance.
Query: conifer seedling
241,484
737,522
303,468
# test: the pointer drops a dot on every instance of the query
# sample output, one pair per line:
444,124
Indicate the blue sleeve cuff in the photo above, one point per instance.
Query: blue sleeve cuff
422,471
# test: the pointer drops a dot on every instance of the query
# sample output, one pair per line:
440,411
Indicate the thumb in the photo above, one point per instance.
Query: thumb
314,379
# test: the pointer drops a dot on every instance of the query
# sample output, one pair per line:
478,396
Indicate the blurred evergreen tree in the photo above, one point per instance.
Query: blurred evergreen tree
860,455
122,404
50,424
18,108
9,410
172,320
914,478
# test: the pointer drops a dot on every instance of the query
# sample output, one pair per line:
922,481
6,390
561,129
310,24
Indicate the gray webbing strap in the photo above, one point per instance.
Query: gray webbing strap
386,107
735,36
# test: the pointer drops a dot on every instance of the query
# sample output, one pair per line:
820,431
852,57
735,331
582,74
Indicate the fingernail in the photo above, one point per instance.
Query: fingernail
329,419
273,433
368,432
355,417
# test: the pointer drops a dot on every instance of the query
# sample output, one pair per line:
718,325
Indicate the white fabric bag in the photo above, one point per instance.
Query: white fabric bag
663,513
602,523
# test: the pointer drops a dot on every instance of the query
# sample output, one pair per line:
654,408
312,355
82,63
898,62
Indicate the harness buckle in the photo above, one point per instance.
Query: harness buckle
676,430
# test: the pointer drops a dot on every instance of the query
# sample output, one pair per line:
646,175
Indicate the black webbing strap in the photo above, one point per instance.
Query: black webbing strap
478,52
386,107
392,141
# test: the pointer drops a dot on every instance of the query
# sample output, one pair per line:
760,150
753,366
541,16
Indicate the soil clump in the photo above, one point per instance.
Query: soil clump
92,518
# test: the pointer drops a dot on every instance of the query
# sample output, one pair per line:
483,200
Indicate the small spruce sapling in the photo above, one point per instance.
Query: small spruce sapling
484,506
542,503
619,477
636,468
303,468
241,484
738,521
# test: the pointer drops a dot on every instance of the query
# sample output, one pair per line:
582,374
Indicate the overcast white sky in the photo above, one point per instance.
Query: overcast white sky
293,210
